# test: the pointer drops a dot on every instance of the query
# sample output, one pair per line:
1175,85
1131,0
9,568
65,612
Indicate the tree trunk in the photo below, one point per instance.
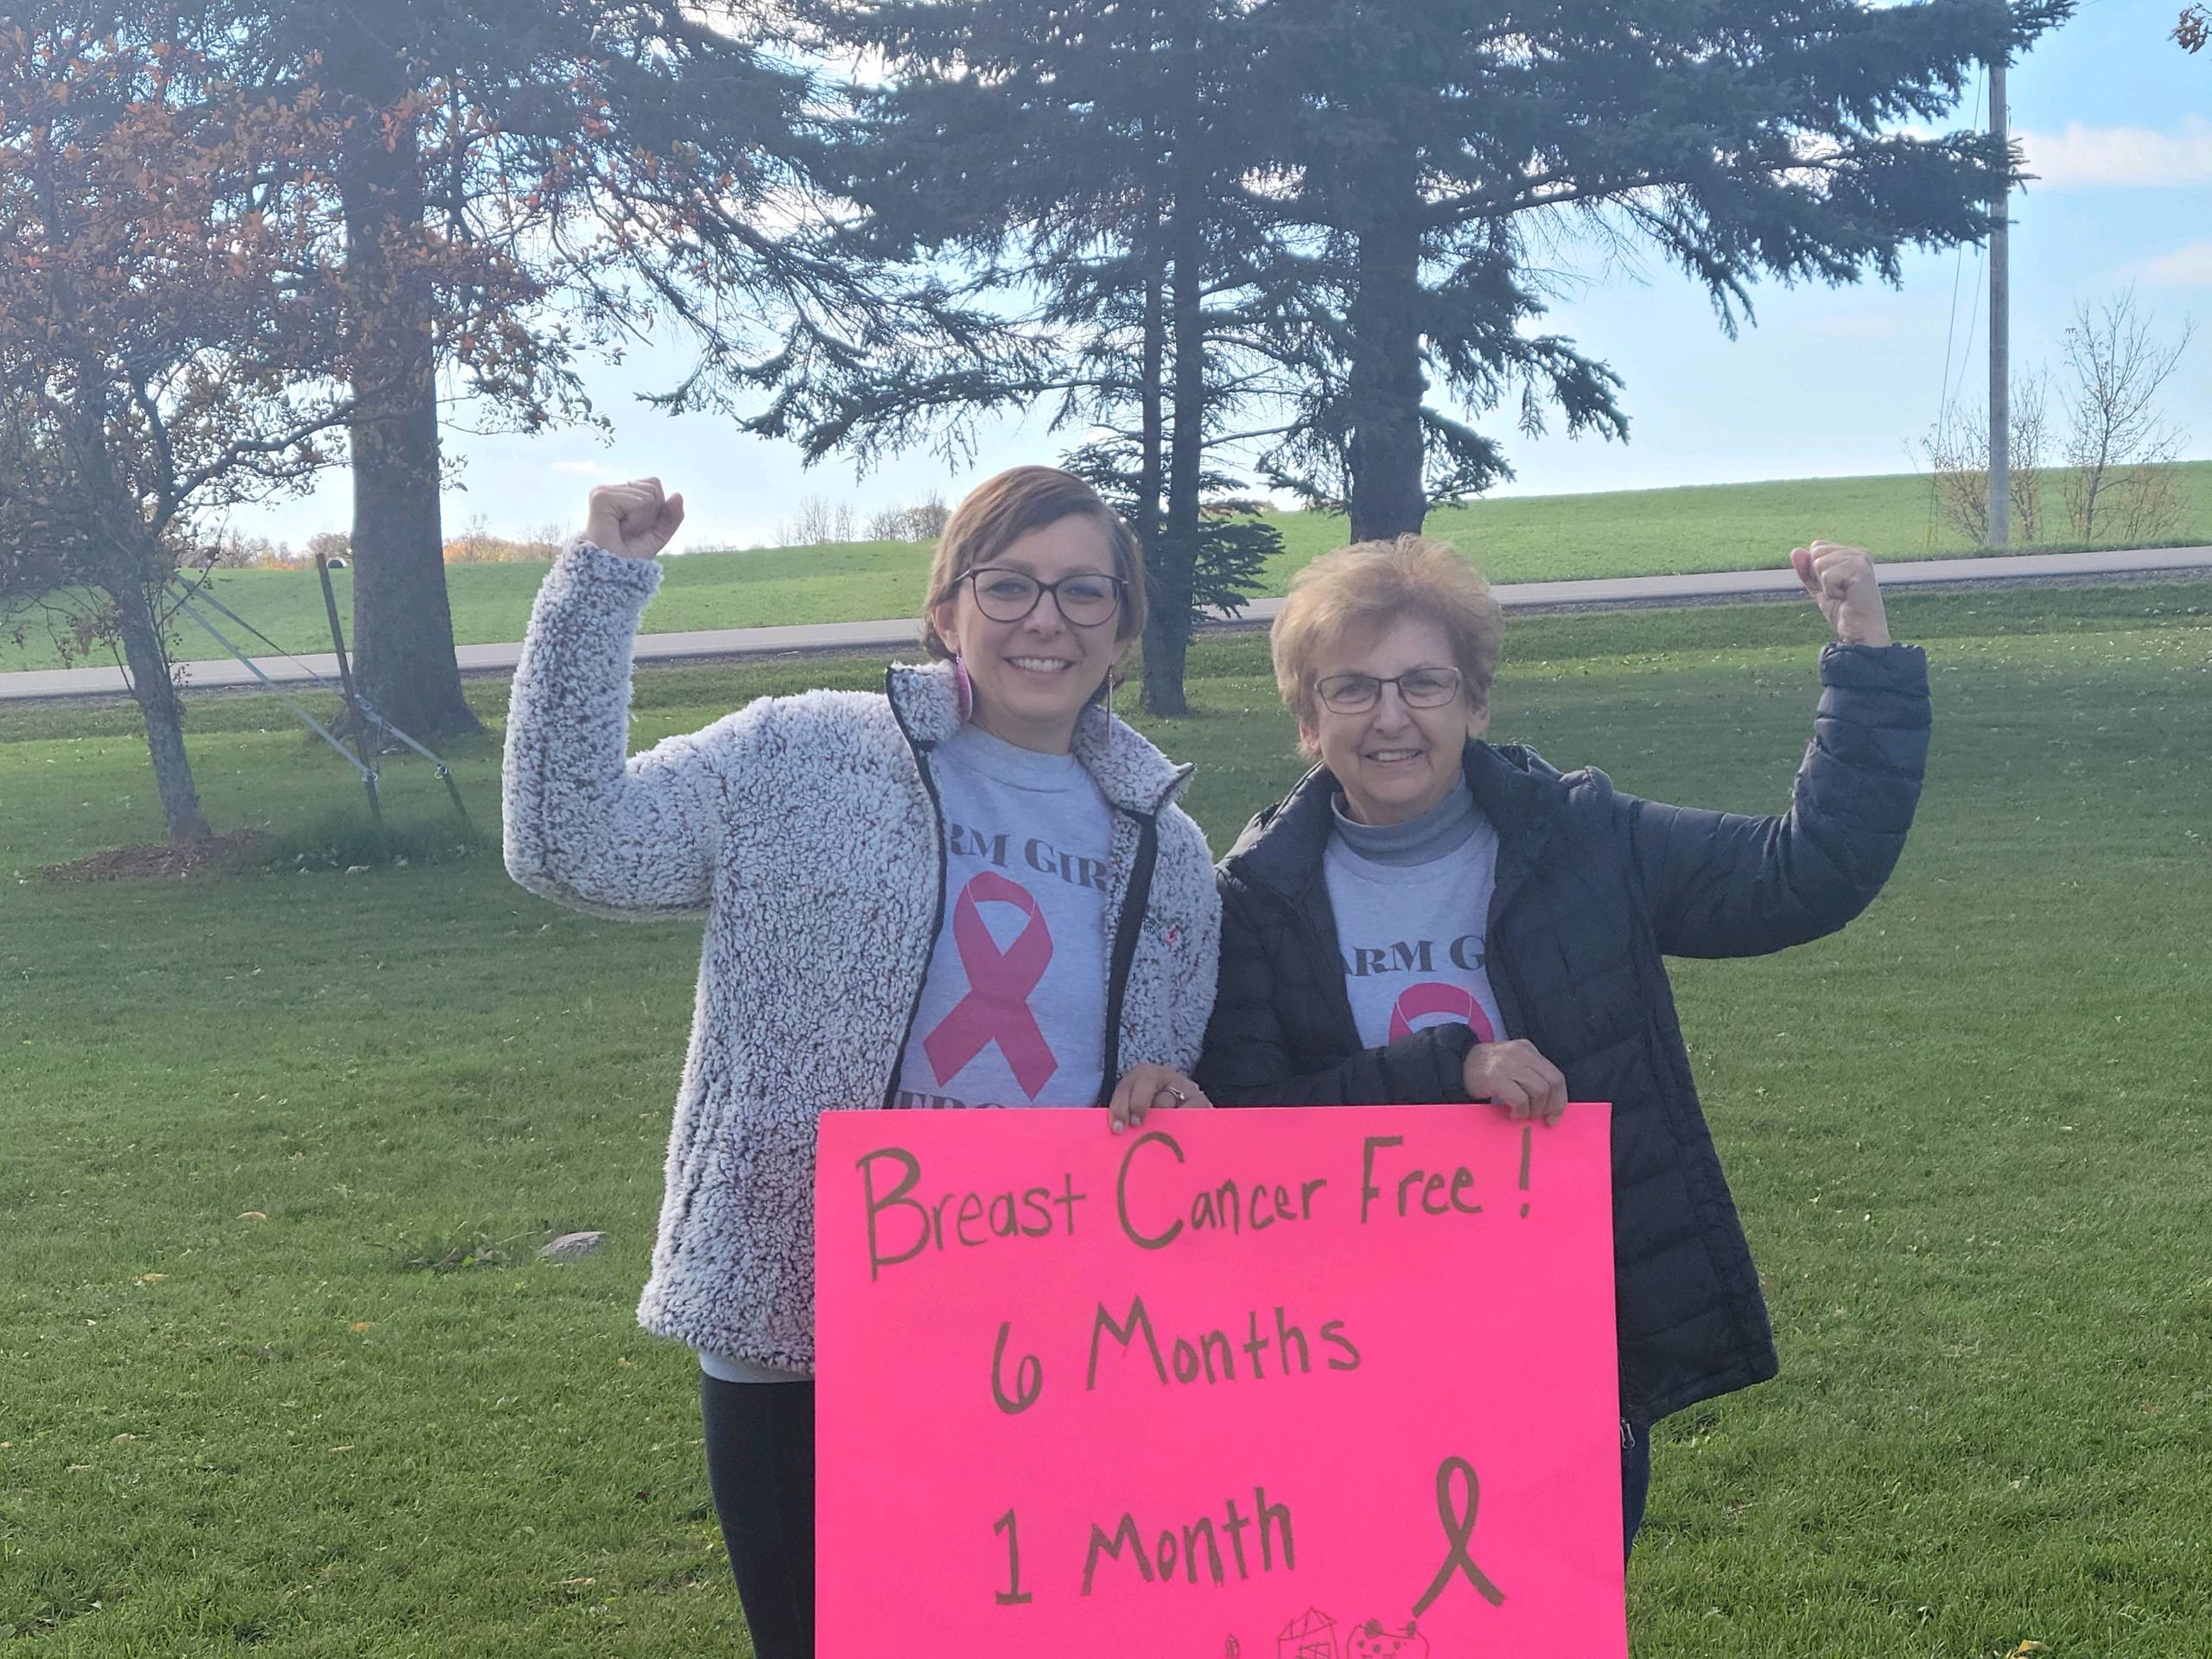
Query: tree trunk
165,716
403,624
1386,383
1152,465
1168,631
1152,462
131,567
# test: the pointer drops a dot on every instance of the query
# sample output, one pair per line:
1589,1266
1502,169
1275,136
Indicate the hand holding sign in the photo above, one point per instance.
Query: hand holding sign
1150,1088
1517,1076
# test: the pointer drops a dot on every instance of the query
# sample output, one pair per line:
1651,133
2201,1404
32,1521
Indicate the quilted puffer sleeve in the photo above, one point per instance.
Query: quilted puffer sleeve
1719,884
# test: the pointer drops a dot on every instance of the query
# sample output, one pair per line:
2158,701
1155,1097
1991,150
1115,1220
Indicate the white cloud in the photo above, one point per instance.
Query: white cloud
2088,158
2189,267
583,468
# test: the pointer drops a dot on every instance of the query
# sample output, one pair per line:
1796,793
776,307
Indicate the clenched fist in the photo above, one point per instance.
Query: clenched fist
632,519
1842,582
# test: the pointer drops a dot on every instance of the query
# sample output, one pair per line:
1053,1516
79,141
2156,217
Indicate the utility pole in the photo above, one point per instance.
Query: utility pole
2001,306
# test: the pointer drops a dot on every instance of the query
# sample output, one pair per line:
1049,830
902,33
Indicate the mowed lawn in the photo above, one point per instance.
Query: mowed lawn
1526,538
1970,1137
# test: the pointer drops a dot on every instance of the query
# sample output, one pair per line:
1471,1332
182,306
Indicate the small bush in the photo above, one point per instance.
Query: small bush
443,1252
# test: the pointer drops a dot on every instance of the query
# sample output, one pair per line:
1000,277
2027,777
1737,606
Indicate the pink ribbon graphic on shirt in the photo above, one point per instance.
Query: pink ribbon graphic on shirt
996,1007
1419,1001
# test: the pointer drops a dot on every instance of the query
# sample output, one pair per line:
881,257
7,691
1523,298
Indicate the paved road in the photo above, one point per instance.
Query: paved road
1621,593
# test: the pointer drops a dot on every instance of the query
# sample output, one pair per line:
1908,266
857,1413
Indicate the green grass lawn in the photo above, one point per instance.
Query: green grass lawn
1969,1137
1531,538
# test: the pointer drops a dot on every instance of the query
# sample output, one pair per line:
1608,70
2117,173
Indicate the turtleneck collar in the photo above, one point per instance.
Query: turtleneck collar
1437,832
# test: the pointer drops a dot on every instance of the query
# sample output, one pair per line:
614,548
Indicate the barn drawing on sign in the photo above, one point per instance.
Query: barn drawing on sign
1311,1634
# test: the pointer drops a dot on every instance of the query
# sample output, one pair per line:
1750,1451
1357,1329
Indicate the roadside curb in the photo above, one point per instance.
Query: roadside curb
895,635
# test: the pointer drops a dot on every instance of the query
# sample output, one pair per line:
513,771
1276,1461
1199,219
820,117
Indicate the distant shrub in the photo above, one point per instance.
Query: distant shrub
233,551
477,545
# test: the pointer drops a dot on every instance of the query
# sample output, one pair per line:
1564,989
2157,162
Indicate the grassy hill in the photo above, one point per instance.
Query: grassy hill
1528,539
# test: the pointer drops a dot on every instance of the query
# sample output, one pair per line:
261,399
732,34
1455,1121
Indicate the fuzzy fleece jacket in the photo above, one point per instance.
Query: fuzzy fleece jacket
806,830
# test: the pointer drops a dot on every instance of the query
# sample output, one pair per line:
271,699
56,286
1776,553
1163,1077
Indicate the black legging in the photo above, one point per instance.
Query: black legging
760,1464
1636,1480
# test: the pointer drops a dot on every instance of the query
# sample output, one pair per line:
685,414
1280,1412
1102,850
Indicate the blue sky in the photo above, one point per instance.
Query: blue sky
2114,116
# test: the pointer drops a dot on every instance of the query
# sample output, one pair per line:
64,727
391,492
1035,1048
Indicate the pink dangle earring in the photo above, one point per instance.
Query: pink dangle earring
964,690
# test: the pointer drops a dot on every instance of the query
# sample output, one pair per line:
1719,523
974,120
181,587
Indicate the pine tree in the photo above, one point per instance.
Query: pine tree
1430,148
1084,167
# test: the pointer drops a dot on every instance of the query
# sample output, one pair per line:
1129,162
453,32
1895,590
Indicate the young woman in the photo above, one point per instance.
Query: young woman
973,889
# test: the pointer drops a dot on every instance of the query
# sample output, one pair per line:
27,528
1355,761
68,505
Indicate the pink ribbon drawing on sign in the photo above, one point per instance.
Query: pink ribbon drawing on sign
1433,996
996,1007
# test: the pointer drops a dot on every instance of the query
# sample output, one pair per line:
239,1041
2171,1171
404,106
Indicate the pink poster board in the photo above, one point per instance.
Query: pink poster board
1282,1384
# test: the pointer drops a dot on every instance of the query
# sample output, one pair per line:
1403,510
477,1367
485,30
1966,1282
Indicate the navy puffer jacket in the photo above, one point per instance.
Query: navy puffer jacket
1594,888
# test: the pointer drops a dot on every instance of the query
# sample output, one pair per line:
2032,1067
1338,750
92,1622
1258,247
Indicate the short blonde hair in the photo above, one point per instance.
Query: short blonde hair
1000,512
1370,585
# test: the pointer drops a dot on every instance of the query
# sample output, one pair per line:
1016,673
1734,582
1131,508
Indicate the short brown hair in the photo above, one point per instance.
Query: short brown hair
1372,584
1000,512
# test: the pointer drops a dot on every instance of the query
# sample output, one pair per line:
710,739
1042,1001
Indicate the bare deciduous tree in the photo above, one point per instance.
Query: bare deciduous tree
2120,449
924,522
818,520
1956,450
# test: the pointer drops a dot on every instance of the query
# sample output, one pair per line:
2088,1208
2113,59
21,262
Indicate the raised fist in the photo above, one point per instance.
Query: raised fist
632,519
1841,580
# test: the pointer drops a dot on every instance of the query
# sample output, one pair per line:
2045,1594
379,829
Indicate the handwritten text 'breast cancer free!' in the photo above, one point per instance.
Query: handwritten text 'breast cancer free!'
1229,1374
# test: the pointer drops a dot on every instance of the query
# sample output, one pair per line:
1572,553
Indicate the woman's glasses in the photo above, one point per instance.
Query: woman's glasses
1006,595
1418,688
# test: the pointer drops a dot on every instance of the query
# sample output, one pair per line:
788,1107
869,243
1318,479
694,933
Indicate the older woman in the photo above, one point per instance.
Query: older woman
1429,918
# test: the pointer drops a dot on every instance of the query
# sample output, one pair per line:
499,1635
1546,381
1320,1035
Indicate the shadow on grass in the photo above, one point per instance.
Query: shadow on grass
345,840
349,840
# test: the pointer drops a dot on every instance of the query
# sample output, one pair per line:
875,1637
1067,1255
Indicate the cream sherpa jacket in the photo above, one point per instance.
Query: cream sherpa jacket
806,831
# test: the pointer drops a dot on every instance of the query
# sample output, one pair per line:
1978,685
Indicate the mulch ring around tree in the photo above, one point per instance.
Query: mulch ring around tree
217,854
